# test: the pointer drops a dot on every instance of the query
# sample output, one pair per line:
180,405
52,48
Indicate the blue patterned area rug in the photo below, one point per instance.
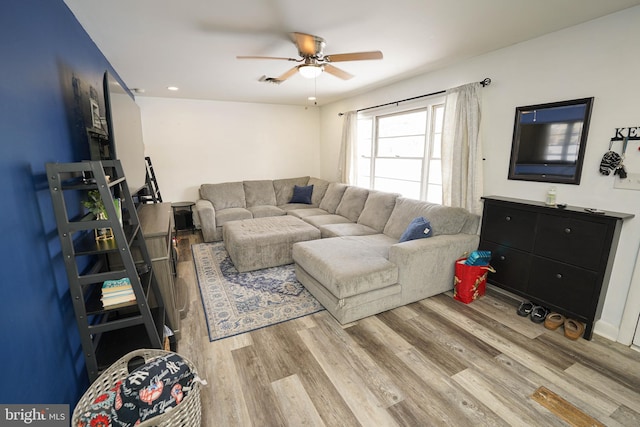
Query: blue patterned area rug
235,303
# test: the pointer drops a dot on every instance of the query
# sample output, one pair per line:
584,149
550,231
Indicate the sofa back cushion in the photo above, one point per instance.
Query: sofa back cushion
332,197
224,195
284,188
259,193
443,219
319,190
352,203
377,209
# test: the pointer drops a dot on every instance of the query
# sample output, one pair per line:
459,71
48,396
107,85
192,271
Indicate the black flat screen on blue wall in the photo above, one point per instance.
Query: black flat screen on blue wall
549,141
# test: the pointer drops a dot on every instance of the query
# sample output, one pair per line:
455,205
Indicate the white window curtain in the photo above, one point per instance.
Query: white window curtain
348,161
462,176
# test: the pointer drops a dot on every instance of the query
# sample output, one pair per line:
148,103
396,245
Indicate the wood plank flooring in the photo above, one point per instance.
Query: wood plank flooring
431,363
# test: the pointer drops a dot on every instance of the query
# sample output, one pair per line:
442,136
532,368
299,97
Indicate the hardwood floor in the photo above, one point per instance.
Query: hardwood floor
434,362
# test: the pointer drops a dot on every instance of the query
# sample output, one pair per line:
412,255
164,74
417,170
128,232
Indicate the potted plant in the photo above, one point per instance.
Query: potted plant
96,206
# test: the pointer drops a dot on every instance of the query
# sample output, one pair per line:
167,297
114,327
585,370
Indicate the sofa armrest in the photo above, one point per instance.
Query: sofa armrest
207,216
426,266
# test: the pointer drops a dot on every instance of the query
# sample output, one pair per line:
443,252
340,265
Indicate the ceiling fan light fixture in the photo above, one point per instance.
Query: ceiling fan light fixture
310,71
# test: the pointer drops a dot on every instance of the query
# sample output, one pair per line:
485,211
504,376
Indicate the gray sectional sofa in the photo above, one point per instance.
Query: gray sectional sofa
358,267
232,201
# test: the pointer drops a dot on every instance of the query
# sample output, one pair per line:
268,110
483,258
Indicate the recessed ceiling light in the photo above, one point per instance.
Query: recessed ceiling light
174,88
311,98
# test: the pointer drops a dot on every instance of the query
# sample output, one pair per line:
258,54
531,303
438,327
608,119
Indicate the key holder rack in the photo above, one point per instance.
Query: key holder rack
628,134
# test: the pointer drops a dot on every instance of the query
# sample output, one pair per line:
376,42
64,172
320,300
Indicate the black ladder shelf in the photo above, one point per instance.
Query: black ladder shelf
106,333
152,185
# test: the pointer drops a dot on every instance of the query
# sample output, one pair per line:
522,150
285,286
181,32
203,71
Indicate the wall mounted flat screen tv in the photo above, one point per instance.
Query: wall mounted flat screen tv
124,123
549,141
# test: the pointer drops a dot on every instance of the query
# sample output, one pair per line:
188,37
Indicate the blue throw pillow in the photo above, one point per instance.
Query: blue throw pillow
419,228
302,194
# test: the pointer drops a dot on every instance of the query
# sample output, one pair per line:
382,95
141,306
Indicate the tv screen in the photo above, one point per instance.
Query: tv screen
549,141
124,125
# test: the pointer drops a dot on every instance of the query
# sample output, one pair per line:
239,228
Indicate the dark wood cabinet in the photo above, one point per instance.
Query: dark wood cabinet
560,258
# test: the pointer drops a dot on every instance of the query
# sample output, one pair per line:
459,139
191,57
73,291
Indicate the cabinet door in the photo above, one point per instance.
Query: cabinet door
563,285
509,226
571,240
512,266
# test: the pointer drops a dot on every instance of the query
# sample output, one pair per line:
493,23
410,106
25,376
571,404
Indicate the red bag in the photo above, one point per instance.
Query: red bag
470,281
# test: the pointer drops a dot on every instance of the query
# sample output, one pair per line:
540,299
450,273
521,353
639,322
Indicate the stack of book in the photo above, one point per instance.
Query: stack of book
115,292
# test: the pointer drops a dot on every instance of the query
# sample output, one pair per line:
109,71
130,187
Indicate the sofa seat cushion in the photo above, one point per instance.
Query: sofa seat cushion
320,220
346,229
231,214
303,213
348,266
265,211
224,195
295,207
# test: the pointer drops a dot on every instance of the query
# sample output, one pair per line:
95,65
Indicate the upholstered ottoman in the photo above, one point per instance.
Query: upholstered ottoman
259,243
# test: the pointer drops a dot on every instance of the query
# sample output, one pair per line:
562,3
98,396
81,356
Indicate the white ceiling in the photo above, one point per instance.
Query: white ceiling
192,44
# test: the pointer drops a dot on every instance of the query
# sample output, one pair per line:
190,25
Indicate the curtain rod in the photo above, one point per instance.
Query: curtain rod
486,82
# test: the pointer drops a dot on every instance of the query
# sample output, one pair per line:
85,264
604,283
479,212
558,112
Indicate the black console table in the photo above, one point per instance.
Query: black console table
183,215
560,258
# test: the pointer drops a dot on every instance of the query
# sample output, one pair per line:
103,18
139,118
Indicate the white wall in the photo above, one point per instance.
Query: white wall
192,142
599,59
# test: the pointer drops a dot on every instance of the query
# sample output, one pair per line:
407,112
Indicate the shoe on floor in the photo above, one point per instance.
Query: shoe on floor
525,308
538,314
573,329
554,321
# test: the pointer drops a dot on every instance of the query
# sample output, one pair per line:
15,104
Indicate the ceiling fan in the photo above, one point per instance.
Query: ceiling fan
313,61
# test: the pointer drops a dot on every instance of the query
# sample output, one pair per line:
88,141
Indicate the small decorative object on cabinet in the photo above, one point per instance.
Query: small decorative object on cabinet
559,258
106,332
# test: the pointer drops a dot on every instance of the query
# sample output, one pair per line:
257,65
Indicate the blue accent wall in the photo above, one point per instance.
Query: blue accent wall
48,68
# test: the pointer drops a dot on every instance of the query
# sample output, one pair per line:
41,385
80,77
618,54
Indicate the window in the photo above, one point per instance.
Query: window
400,151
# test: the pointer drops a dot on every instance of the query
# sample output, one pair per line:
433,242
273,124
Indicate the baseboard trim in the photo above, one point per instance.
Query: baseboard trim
606,330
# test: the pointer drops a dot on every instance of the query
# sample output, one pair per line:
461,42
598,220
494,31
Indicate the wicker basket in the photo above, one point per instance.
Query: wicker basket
186,414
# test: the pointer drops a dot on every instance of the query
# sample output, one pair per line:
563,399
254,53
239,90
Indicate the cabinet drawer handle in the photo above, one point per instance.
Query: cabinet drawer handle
567,230
507,218
502,257
558,275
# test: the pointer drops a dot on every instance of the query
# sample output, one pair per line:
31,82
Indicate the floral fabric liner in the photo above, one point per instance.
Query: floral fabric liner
146,392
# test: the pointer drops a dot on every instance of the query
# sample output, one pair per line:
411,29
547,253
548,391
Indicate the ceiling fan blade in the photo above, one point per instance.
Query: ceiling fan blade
334,71
355,56
267,57
307,44
288,74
